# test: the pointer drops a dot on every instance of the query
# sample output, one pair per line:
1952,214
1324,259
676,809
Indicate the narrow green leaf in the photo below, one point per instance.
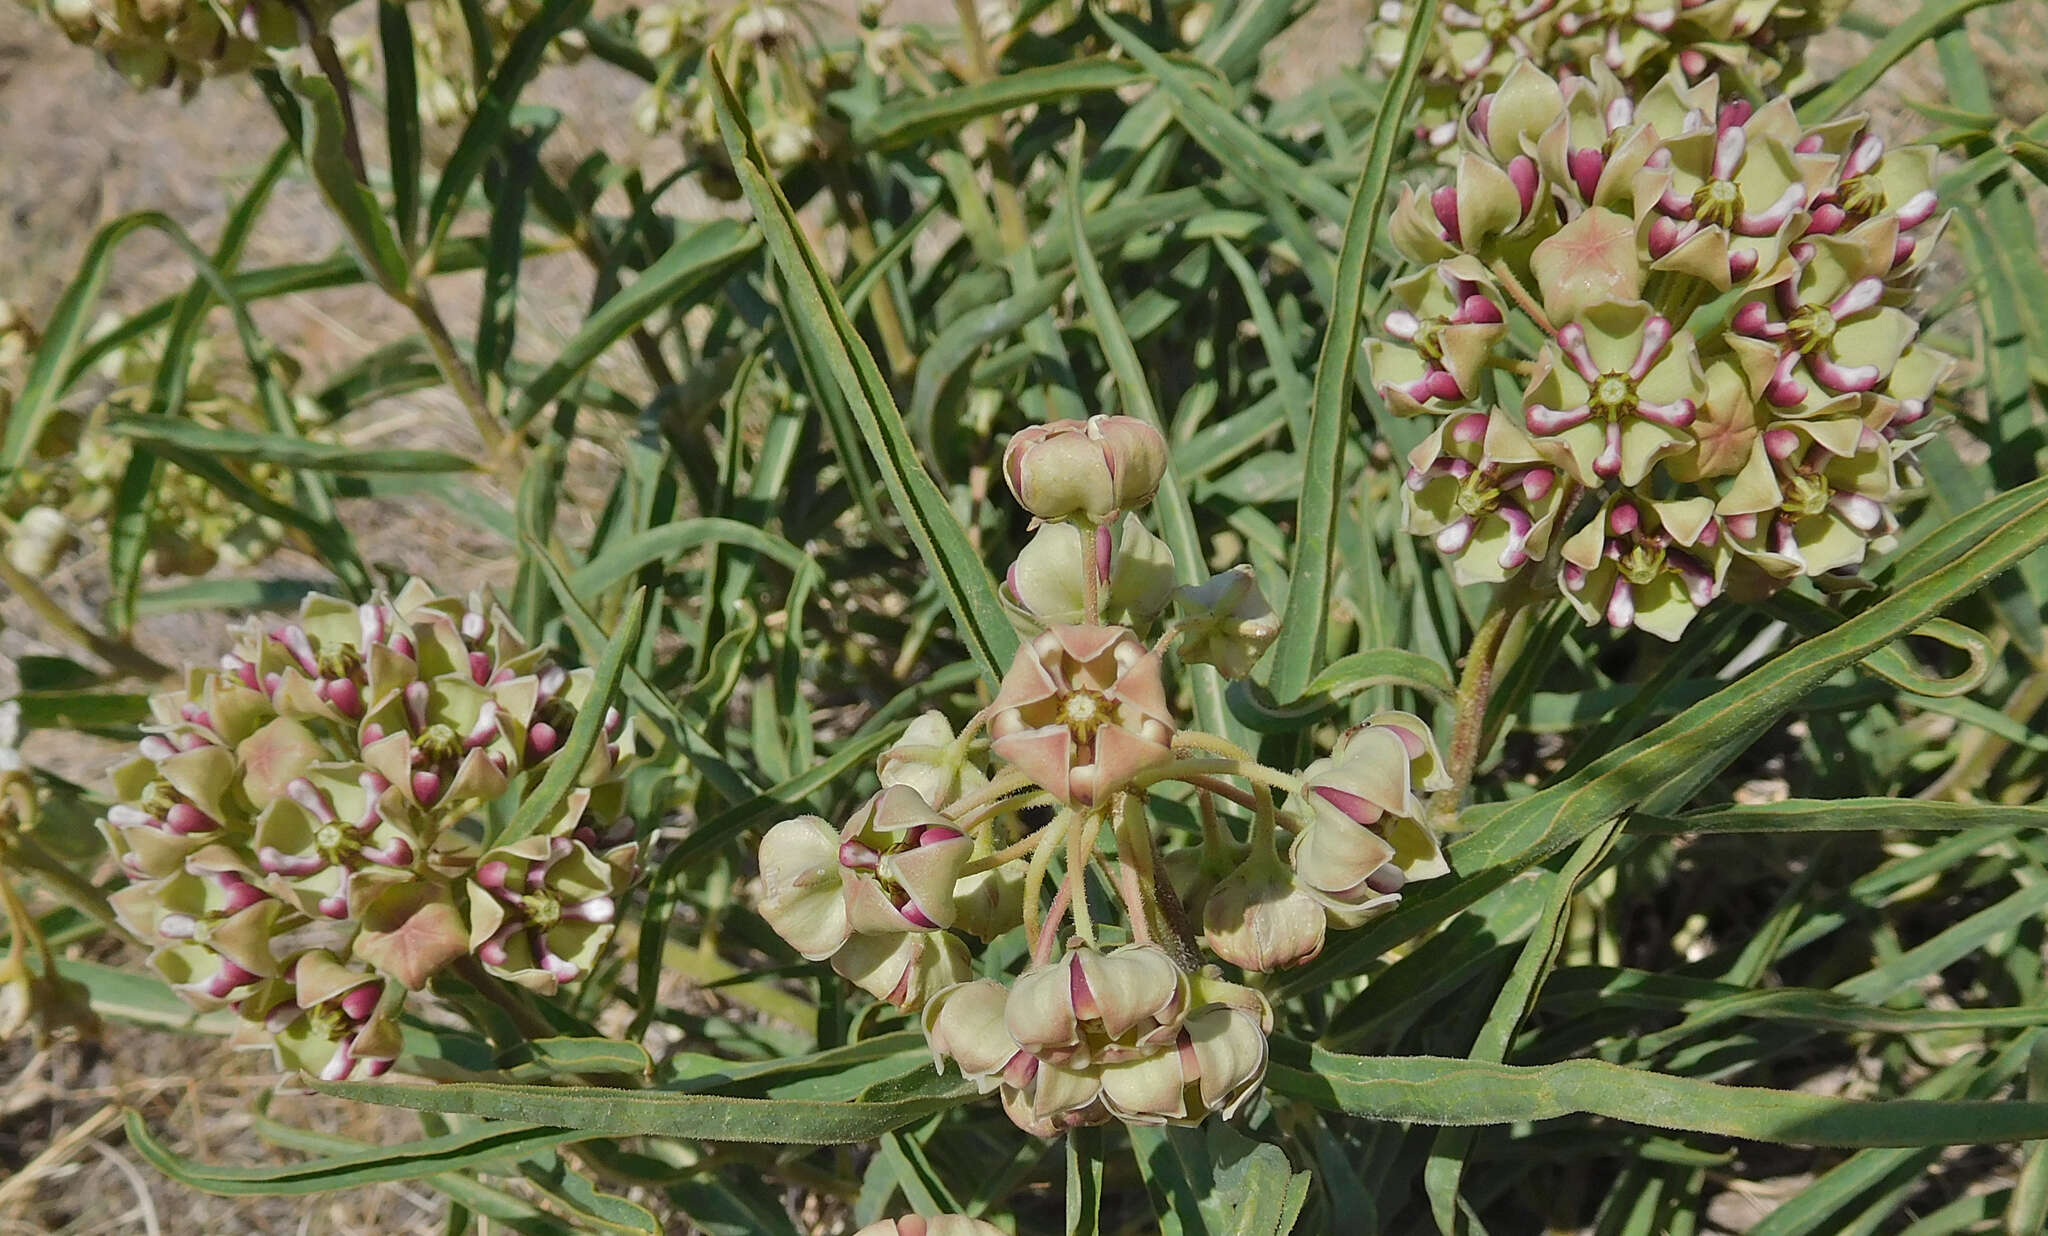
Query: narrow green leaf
401,118
1842,815
593,1209
1436,1090
701,1117
1842,90
2027,1212
1240,148
550,1057
484,136
1085,1155
914,118
510,187
957,568
281,449
1511,1006
699,259
1305,621
411,1161
363,226
588,731
669,542
709,764
129,522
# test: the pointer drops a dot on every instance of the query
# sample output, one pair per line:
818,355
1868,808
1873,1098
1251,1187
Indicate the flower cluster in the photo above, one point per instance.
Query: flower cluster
157,44
66,492
1728,388
778,67
444,53
1477,43
1109,1022
302,825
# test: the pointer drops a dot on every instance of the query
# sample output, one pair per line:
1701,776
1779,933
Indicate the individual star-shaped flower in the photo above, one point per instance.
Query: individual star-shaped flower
1647,564
1478,487
1082,710
1812,498
1629,389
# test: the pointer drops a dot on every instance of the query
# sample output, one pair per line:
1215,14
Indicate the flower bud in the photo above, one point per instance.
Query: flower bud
1259,918
937,1225
1227,623
904,970
801,891
1100,1007
1048,580
1088,470
41,536
1363,837
924,760
900,860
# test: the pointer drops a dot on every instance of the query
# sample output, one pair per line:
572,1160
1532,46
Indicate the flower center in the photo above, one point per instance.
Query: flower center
1861,196
1807,495
1083,712
1718,203
1812,327
339,662
542,910
1613,396
1478,493
1496,21
1641,563
338,843
439,743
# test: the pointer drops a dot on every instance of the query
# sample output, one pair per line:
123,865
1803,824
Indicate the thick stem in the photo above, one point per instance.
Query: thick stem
456,371
1475,691
529,1023
1187,954
124,657
329,60
860,238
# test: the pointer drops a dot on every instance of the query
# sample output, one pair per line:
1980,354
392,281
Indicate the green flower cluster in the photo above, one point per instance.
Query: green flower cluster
444,53
1728,386
157,44
1142,1030
66,492
771,53
1477,43
302,825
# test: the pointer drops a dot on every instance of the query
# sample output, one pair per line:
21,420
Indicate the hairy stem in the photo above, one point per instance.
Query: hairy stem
1475,691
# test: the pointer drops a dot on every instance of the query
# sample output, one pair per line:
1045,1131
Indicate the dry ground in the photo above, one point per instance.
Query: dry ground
77,148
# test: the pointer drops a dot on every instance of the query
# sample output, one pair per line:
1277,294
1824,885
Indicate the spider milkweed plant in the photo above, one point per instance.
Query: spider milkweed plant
1079,639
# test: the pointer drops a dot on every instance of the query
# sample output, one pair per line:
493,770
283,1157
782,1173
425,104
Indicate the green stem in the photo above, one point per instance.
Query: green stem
529,1023
1475,691
124,657
81,893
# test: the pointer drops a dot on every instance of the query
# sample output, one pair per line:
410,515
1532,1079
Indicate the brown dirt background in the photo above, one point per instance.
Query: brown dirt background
78,148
